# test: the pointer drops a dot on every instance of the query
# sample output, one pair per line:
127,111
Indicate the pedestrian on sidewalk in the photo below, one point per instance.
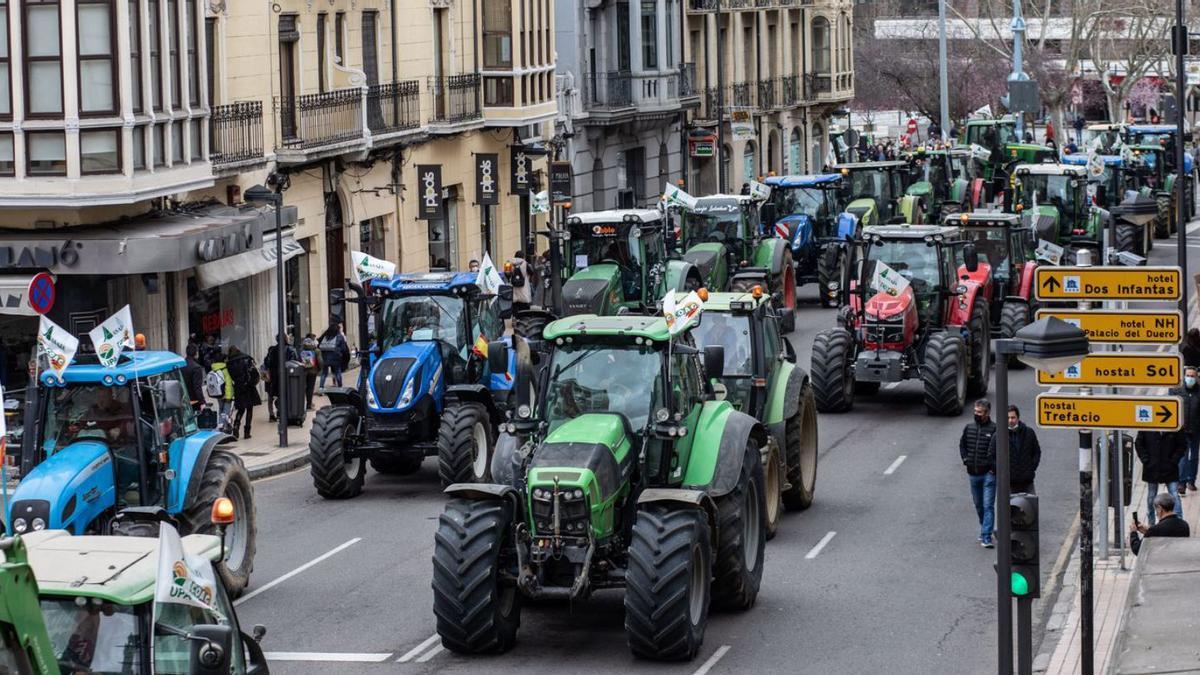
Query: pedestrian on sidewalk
333,347
1024,452
193,377
310,356
271,368
1169,524
976,450
1160,452
244,373
1190,348
1190,394
218,384
210,351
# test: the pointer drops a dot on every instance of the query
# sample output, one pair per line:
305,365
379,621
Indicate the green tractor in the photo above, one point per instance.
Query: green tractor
1052,199
761,378
998,138
630,473
617,261
1150,176
1163,136
25,647
723,238
875,193
946,180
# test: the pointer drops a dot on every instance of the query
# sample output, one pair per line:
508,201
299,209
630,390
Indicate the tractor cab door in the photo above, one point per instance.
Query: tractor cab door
647,251
769,354
948,273
163,428
483,326
687,394
894,191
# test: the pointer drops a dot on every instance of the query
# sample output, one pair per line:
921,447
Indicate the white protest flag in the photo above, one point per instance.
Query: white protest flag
183,579
673,196
113,336
488,278
759,192
539,202
368,267
680,315
888,280
57,344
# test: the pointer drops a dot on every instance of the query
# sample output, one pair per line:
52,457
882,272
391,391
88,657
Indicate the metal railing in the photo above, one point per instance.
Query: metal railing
702,5
235,132
687,80
820,84
766,94
394,106
456,98
312,120
740,95
608,90
792,92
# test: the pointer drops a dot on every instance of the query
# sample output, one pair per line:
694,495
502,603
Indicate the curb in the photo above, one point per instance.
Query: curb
292,460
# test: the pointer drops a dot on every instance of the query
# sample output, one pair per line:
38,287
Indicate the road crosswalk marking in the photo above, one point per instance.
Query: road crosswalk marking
816,550
412,653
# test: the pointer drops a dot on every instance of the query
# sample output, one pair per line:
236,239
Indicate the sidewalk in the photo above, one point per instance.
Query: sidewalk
262,454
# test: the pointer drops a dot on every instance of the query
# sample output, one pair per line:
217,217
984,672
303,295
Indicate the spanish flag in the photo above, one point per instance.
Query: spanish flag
480,347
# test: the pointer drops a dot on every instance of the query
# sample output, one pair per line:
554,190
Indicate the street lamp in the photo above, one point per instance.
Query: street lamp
1050,345
261,196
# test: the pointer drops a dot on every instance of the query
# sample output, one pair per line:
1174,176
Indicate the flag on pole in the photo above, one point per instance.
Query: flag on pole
183,579
539,202
759,191
113,337
368,267
56,344
488,278
673,196
681,315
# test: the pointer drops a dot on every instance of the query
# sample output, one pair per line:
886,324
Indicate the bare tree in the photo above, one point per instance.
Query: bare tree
1130,39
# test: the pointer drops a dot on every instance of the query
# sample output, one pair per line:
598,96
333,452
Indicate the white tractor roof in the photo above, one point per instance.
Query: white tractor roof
617,216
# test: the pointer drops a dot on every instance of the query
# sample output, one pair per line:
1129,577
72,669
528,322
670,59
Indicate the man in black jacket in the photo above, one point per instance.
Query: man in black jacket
1169,524
978,456
1024,453
193,377
1190,393
271,368
1160,452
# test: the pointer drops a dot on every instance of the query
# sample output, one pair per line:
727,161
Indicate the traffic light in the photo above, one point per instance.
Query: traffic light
1026,567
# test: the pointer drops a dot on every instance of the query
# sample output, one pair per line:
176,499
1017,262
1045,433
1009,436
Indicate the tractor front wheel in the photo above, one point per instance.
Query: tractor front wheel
829,270
335,474
464,444
668,586
801,453
981,350
477,610
225,476
832,375
741,537
1162,224
1129,238
1014,316
944,371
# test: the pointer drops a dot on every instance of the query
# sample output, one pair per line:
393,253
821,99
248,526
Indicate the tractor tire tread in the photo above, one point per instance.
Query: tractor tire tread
325,453
456,444
830,352
940,370
735,586
224,467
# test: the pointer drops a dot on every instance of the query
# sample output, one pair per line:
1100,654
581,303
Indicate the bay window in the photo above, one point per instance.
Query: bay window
139,148
135,54
7,161
46,153
5,69
173,36
192,56
497,34
43,59
97,72
649,34
100,151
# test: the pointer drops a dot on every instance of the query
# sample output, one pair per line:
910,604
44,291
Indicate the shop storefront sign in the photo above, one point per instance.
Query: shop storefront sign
702,146
41,254
227,244
560,182
521,178
429,191
487,185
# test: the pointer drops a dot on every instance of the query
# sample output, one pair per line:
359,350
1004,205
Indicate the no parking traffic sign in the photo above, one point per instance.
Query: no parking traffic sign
42,293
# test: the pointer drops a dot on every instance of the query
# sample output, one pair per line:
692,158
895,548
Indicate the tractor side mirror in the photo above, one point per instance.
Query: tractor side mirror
789,352
505,299
766,213
497,356
714,361
212,647
170,394
970,257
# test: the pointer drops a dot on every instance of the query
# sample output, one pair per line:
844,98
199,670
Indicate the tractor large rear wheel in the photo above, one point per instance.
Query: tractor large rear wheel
829,270
1129,238
832,375
801,453
1014,316
981,350
668,586
335,474
225,476
944,370
1162,224
477,610
783,280
464,444
741,537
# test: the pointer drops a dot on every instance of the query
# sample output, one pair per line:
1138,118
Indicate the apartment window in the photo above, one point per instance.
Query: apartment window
156,82
177,143
498,91
497,34
669,60
97,72
135,54
649,34
99,151
210,56
820,42
5,74
7,164
197,152
339,37
322,84
47,153
623,36
43,59
370,55
173,36
288,37
635,172
158,141
193,62
139,148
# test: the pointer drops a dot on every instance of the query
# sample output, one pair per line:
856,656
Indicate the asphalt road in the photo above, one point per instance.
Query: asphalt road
883,574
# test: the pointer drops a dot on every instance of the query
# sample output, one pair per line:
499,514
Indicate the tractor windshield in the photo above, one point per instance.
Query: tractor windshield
991,135
992,246
1043,189
422,317
915,262
94,636
869,183
731,331
808,201
88,411
627,381
593,244
718,226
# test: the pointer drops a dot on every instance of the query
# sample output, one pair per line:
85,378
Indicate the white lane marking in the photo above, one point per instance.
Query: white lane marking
412,653
816,550
430,654
272,584
328,657
1193,226
891,385
895,465
712,660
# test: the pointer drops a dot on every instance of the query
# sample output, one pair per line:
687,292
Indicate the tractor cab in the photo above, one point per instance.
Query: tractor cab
905,270
1053,200
948,180
1005,249
873,192
806,212
998,137
718,234
1105,139
1164,137
746,326
1106,188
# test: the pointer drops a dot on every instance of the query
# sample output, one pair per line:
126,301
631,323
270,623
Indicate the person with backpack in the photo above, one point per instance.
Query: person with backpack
310,357
334,353
519,279
218,385
244,373
271,368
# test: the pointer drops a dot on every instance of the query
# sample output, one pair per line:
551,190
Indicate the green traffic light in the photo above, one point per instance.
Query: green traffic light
1020,585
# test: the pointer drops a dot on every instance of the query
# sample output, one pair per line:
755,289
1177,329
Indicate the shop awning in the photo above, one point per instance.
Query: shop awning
247,264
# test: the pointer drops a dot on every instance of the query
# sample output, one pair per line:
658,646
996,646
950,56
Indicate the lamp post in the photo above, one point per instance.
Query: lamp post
1051,345
261,196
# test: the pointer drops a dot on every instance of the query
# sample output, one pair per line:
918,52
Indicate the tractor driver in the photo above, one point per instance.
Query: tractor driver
721,331
113,413
629,274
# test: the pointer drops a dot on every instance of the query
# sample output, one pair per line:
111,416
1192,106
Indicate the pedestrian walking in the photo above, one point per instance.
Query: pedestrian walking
976,450
519,279
1024,452
1169,524
1159,453
244,374
310,358
193,377
333,348
218,384
271,369
1079,128
1190,348
1191,429
210,351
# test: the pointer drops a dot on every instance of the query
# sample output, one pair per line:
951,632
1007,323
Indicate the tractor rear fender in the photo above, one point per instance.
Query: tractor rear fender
910,206
696,499
715,462
348,396
976,192
783,400
475,393
678,272
1027,274
188,465
769,254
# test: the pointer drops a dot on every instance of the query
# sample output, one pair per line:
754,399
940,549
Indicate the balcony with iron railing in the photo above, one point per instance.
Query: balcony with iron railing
394,107
687,83
236,136
456,102
314,125
608,91
766,94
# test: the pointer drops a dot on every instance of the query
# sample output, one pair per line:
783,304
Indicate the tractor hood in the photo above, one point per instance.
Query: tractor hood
403,374
799,228
592,451
69,489
705,257
1043,220
592,290
883,306
863,208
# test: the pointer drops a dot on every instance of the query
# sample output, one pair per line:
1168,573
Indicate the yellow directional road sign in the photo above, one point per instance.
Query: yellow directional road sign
1128,326
1107,283
1109,412
1120,370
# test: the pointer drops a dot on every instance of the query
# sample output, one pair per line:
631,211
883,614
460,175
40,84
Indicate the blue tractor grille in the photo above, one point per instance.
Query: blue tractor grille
389,379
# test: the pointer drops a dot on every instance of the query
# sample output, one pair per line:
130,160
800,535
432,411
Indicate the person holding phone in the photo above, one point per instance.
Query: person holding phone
1169,524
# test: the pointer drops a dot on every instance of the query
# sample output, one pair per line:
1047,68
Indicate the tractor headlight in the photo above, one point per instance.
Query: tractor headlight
524,412
833,285
19,525
407,396
38,524
662,415
371,402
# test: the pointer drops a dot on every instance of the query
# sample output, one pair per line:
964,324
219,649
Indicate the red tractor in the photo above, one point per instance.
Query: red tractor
912,313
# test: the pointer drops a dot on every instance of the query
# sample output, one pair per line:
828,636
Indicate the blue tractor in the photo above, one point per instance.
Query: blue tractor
112,443
426,387
807,211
